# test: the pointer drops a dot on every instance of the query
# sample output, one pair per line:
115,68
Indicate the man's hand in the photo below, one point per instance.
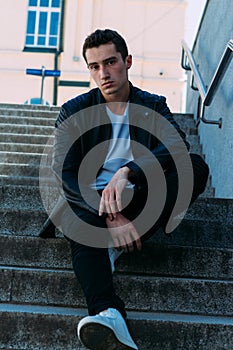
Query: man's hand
111,196
123,233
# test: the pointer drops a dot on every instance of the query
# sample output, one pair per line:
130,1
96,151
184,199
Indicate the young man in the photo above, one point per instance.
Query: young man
140,157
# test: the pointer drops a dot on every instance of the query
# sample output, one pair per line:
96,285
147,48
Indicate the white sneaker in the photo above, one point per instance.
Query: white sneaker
105,331
113,256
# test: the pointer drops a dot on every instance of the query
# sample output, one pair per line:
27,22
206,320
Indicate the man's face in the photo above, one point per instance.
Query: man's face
108,70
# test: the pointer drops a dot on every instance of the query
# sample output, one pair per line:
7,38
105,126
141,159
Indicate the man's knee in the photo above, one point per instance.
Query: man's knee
200,174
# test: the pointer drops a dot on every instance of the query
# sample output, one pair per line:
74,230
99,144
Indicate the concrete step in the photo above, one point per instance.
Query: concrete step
190,232
31,168
209,190
139,292
51,113
26,129
25,138
195,146
29,111
31,122
21,222
44,111
24,120
184,279
199,234
186,123
210,210
17,106
19,180
20,158
37,118
14,152
7,180
49,328
23,147
14,169
155,259
27,197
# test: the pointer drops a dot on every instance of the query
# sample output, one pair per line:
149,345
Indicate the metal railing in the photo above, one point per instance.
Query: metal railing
206,96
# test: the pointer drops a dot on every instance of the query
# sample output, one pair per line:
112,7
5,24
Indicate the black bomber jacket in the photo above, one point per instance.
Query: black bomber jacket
83,130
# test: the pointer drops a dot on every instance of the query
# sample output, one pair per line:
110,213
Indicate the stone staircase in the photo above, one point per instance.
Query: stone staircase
178,290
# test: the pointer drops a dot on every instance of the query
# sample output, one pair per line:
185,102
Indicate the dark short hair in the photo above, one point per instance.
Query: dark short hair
105,36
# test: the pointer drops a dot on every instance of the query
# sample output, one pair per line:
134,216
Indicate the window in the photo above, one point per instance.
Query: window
43,23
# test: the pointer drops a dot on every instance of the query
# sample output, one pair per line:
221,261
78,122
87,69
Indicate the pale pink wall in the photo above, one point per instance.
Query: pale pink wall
153,30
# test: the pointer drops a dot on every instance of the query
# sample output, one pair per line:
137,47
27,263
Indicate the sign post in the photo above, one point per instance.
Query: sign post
42,84
43,72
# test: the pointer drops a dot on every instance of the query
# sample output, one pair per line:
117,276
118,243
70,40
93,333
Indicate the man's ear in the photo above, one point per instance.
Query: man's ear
129,61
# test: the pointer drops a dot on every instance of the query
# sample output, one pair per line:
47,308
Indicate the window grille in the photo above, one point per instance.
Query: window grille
43,23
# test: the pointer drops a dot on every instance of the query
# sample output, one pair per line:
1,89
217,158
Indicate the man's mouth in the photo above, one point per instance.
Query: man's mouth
107,84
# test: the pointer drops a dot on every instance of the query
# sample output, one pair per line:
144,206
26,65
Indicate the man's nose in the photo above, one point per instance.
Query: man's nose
104,73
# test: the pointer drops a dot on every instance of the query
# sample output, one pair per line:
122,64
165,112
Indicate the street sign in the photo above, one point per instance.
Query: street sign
34,71
43,72
52,73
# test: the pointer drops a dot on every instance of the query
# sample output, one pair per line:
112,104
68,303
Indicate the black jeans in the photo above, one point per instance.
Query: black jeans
92,265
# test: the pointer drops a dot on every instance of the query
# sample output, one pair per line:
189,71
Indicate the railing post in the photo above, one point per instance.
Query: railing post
206,121
206,96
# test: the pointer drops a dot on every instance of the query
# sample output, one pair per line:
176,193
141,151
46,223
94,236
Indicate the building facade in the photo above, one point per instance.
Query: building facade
50,34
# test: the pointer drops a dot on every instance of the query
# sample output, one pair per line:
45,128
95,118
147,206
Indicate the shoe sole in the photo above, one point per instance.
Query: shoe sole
96,336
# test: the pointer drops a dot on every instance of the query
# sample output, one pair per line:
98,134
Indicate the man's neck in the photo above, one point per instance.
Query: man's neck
117,102
117,108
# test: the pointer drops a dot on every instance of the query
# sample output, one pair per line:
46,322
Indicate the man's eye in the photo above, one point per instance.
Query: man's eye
111,62
93,67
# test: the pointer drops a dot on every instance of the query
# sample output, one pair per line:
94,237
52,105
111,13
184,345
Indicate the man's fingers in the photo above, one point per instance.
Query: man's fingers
134,237
111,196
108,203
101,206
112,205
107,207
138,244
119,243
130,247
116,243
118,201
123,233
110,216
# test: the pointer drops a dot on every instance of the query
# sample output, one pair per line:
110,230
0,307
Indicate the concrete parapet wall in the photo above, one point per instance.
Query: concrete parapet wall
214,33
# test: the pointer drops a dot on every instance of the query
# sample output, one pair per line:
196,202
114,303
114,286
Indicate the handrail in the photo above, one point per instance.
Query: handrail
207,95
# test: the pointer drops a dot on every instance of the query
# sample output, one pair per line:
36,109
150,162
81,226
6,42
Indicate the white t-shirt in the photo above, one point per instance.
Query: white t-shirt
119,151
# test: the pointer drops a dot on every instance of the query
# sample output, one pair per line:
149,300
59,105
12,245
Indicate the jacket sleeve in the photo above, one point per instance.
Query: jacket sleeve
170,147
67,159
